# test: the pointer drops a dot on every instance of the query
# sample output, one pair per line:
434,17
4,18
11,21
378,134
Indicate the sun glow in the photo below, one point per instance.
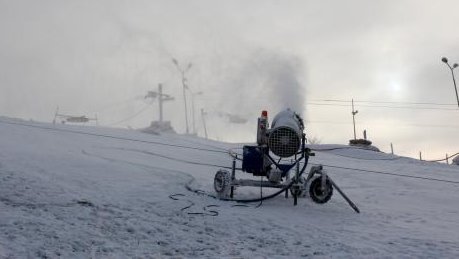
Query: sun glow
395,87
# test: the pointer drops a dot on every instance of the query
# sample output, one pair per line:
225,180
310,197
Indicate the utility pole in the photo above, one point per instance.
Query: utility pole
161,99
353,118
193,95
55,115
192,111
203,114
185,86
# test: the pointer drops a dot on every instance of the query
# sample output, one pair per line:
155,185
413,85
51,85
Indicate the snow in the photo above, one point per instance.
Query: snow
157,127
104,193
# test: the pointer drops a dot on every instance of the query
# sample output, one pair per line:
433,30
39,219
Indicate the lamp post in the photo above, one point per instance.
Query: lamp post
192,108
203,114
353,118
445,60
184,84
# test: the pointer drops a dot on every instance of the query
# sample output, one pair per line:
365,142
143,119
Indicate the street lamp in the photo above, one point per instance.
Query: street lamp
445,60
184,84
354,112
203,114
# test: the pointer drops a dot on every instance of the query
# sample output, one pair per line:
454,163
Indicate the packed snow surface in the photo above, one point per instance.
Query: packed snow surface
83,192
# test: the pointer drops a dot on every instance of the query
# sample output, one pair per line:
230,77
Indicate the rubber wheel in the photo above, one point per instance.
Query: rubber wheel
319,195
222,183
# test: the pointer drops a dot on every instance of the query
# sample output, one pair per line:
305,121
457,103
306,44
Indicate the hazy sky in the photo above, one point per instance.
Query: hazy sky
101,57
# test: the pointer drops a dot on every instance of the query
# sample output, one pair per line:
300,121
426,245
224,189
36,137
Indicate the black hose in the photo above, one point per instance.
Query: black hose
207,212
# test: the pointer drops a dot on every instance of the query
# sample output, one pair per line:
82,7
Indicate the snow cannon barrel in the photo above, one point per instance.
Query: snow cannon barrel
284,137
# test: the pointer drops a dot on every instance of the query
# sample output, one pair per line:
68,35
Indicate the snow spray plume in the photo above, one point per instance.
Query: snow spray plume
259,80
264,80
282,80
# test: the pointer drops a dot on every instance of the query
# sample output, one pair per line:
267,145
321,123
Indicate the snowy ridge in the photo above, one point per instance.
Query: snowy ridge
82,195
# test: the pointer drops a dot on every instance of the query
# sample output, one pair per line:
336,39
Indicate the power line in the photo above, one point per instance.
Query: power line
387,102
173,158
131,117
371,159
325,165
388,173
366,159
387,124
370,171
113,137
383,106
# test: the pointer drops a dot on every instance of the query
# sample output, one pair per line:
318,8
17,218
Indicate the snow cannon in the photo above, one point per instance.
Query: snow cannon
280,158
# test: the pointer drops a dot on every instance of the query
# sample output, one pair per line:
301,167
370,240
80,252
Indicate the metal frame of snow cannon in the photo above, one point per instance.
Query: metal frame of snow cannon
259,161
296,185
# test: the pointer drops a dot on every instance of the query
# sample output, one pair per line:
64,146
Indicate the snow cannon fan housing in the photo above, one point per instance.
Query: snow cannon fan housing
284,137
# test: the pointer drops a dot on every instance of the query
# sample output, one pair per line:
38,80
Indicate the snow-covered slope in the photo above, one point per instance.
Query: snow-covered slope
81,192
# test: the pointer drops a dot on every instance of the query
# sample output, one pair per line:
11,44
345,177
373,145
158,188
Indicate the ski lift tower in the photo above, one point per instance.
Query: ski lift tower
161,98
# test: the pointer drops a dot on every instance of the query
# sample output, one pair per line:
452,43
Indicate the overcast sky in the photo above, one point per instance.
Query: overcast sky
101,57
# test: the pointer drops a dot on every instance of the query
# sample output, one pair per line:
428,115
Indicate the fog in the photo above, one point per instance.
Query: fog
101,57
